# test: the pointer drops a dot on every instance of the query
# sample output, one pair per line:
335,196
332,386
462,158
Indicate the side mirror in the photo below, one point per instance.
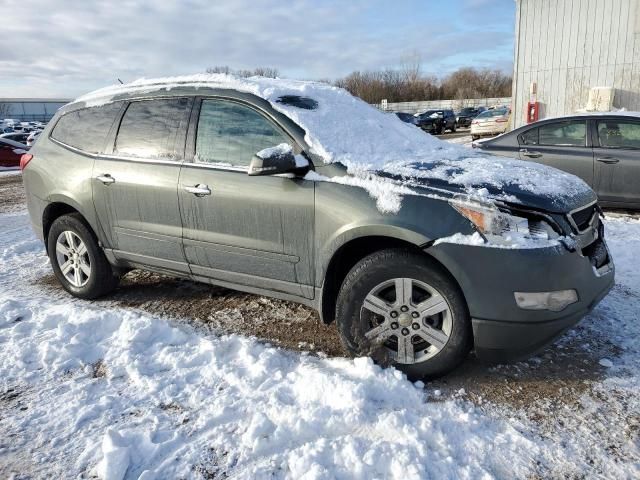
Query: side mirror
274,160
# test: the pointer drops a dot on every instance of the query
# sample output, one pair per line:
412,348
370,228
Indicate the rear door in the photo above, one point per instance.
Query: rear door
253,231
135,183
564,145
617,155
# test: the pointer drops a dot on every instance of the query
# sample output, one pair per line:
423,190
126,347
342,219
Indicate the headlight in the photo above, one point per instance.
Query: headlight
504,228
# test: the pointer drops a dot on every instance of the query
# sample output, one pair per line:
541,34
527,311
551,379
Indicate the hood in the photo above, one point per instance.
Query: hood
511,181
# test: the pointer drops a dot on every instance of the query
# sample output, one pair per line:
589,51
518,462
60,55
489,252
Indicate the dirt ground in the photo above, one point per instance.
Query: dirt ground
557,378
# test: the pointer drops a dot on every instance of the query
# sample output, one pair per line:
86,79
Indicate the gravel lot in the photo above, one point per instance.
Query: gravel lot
561,389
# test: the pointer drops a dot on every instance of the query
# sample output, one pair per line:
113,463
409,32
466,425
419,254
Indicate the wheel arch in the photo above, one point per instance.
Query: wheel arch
350,253
59,206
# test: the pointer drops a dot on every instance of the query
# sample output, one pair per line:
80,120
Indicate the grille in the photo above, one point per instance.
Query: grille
597,253
581,218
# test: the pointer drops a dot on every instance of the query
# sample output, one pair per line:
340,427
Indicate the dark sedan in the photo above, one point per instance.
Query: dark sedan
602,149
437,121
464,116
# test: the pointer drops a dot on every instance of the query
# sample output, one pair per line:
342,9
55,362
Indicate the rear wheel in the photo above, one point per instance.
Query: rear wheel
402,309
77,260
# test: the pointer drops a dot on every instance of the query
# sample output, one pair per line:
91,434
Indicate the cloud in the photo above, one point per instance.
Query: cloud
66,48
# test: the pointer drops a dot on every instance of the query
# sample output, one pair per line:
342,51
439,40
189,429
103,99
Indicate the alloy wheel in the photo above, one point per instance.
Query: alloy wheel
408,317
73,258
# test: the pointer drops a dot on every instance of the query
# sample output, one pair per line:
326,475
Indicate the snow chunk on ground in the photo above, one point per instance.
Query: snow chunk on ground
113,392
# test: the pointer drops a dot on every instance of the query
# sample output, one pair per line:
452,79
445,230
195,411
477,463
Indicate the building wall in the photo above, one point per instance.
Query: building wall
570,46
31,109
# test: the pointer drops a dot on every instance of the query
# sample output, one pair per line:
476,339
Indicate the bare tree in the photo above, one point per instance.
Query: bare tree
408,84
259,71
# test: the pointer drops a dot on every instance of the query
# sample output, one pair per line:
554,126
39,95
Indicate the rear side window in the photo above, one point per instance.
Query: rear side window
619,134
566,134
154,129
86,129
231,134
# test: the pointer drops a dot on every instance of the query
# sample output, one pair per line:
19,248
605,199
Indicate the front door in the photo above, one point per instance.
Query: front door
618,161
562,145
135,185
253,231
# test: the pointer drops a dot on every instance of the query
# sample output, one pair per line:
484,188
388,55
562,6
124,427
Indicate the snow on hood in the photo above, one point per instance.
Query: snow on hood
345,129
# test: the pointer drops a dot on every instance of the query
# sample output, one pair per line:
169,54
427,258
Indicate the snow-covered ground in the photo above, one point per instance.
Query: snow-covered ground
99,390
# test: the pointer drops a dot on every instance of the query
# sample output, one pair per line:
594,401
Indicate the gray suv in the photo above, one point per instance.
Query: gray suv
182,179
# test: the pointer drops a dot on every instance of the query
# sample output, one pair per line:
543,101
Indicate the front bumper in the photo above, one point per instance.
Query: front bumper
489,277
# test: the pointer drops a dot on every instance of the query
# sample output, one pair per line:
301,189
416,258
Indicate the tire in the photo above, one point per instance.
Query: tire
356,322
475,137
88,273
453,129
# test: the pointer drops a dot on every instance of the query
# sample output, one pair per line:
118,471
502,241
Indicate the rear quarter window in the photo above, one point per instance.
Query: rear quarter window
86,129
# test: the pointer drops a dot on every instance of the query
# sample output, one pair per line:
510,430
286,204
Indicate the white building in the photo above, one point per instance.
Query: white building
30,109
569,47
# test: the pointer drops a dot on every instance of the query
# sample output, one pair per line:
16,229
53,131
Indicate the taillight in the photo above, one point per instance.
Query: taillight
501,120
24,160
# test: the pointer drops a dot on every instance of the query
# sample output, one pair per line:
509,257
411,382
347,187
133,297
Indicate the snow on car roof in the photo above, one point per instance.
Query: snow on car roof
342,128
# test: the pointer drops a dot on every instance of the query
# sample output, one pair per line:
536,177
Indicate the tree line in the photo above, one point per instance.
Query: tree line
407,84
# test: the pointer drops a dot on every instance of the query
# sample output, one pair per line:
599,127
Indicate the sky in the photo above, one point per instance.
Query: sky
67,48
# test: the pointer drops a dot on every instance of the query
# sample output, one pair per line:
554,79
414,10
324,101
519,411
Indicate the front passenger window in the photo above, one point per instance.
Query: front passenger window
530,137
230,133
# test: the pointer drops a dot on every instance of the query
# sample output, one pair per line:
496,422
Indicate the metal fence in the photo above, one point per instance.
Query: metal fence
418,107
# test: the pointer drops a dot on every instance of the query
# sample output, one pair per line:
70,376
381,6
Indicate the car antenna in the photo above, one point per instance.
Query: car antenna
121,82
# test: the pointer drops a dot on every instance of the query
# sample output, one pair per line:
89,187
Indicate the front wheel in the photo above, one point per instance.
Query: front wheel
77,260
402,309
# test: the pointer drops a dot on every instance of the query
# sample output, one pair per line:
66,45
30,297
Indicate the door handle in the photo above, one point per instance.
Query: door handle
199,190
529,154
106,179
607,160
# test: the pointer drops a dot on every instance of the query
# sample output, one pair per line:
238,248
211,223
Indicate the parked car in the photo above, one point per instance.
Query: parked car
602,149
418,259
493,121
31,139
436,121
464,116
11,122
20,137
406,117
10,152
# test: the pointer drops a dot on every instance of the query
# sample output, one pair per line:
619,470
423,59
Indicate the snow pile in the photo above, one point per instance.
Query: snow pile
344,129
94,390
